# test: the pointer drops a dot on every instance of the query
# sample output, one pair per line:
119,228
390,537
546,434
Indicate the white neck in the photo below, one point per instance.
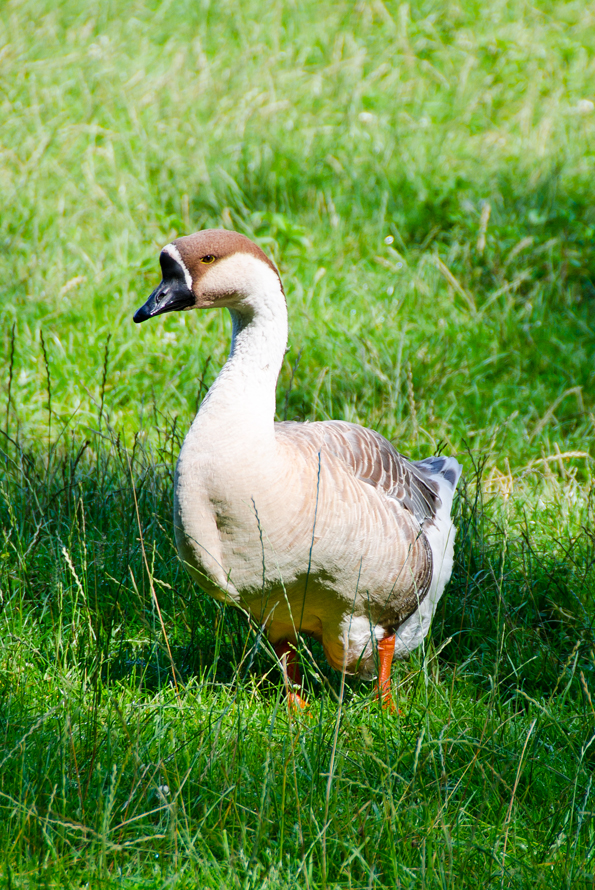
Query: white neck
240,405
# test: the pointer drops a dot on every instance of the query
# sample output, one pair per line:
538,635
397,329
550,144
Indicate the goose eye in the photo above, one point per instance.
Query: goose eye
208,259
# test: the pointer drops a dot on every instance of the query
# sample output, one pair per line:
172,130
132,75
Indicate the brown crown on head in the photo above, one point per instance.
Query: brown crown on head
219,243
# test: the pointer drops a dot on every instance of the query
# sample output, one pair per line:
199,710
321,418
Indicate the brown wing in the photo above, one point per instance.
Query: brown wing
372,458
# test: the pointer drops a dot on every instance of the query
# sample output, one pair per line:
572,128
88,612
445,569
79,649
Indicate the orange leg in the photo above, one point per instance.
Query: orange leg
291,674
386,650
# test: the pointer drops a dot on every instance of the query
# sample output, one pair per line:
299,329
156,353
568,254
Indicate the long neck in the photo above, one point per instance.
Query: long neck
240,405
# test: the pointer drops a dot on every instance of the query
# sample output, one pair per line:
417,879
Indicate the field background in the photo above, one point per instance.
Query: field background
423,176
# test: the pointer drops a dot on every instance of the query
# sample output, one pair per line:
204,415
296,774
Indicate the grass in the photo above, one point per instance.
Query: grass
422,174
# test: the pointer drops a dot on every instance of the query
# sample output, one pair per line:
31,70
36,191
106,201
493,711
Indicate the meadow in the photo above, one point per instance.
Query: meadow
423,175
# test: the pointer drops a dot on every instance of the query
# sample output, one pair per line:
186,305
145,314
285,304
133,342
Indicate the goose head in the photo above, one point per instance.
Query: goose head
209,269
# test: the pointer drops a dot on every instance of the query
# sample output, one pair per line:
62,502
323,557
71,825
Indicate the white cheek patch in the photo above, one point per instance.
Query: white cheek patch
239,274
174,253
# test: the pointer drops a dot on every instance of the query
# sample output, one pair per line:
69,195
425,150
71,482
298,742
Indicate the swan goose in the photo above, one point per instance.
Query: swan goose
318,528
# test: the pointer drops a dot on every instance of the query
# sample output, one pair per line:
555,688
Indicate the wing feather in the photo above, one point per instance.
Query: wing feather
375,461
417,485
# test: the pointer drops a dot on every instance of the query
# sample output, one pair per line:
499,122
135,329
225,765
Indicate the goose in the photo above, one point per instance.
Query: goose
315,528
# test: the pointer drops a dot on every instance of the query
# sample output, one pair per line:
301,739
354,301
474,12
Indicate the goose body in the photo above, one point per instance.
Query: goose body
317,528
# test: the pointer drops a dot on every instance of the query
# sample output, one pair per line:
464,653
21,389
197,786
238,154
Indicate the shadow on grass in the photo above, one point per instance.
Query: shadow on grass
147,719
519,594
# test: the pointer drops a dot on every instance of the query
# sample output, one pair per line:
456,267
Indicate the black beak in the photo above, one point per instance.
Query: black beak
172,294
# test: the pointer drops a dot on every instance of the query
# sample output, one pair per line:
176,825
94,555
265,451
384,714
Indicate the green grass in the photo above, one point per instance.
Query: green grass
464,133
